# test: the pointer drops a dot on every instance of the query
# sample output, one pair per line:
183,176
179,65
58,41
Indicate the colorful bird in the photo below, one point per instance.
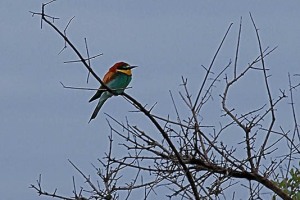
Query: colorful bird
117,79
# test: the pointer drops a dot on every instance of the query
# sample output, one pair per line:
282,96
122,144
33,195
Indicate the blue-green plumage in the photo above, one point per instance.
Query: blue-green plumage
117,79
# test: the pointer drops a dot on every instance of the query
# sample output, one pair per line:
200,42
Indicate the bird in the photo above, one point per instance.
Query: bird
117,79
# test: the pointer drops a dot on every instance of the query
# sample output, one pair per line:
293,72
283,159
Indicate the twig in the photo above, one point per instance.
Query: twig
210,67
296,127
93,89
65,34
237,49
88,59
40,191
87,179
269,95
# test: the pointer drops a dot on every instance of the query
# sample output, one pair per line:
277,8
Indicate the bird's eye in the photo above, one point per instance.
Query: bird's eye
125,67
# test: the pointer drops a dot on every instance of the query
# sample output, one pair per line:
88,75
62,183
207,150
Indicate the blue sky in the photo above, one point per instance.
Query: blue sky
43,125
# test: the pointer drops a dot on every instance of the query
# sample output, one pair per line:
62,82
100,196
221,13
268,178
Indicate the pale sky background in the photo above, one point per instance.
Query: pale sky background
42,125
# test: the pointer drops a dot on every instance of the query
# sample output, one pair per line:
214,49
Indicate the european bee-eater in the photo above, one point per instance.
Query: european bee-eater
117,79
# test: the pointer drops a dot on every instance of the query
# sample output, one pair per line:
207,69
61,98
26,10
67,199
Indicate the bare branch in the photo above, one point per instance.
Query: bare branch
269,96
210,67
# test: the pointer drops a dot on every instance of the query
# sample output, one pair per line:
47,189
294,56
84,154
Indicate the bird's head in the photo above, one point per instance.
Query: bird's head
122,67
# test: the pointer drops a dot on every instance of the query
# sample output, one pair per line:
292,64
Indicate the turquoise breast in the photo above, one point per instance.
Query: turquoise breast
120,82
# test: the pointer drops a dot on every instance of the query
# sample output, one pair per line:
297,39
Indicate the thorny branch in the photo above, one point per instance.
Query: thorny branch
268,93
40,191
133,101
190,159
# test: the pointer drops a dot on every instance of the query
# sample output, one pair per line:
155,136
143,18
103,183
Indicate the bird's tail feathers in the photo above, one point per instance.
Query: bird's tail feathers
94,113
98,107
96,96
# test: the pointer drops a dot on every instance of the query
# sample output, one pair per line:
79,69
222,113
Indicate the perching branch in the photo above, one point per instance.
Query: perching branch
133,101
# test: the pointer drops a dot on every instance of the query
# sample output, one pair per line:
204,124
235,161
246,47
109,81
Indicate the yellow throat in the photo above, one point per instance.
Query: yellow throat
125,71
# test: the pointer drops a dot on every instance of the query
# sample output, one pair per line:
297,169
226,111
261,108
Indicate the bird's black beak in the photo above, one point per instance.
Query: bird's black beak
131,67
